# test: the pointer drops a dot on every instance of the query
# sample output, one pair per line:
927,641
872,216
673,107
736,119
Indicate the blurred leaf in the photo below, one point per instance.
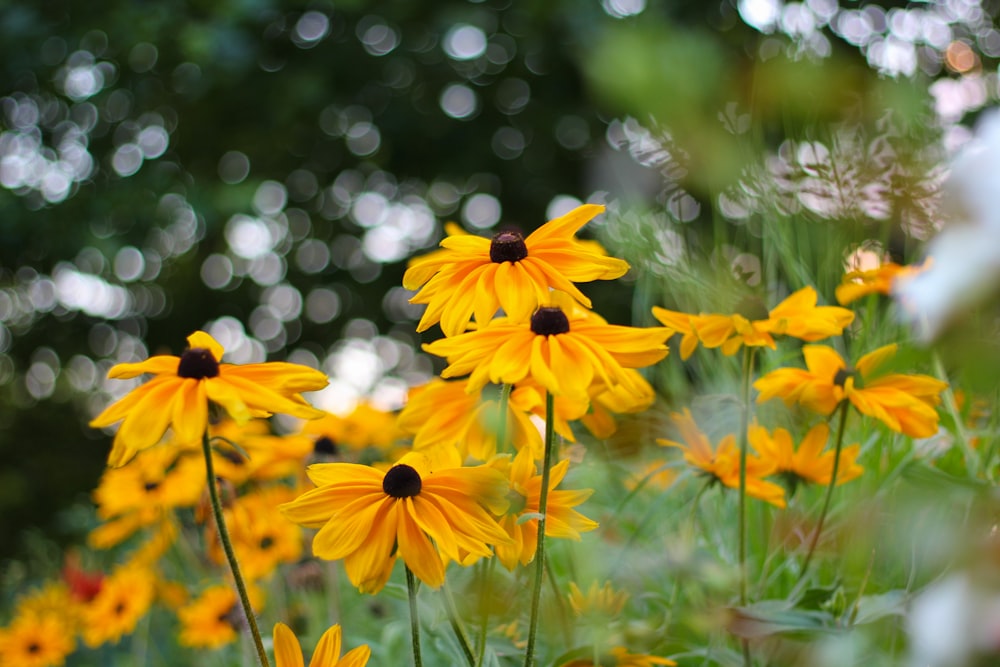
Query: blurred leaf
771,617
874,607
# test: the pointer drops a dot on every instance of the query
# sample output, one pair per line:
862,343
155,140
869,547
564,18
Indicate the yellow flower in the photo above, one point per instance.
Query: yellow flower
604,602
262,537
36,640
753,325
159,481
444,414
904,403
369,517
288,653
477,276
857,284
177,397
212,619
561,521
563,348
723,462
620,657
808,463
264,456
365,426
125,597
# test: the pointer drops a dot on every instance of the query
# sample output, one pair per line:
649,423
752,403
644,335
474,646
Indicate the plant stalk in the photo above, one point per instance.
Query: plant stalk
543,500
411,592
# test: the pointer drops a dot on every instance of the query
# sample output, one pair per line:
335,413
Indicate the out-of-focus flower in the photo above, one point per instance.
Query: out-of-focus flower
880,280
619,656
521,519
966,254
288,653
368,517
365,426
808,462
262,537
723,462
125,597
752,324
904,403
214,618
178,395
955,622
604,601
36,640
472,275
445,414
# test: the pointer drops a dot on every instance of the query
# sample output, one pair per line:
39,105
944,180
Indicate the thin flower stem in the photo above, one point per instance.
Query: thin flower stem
951,405
543,500
485,608
502,422
829,491
227,546
456,625
748,357
411,590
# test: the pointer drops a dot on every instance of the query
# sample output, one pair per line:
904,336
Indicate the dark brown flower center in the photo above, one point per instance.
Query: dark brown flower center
233,617
34,647
266,543
549,321
508,246
151,486
401,481
752,308
325,446
197,363
840,378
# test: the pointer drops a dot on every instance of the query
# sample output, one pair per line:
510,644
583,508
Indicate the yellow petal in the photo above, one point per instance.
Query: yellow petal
204,341
287,652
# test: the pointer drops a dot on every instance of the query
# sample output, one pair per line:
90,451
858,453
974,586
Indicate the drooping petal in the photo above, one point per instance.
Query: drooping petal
287,652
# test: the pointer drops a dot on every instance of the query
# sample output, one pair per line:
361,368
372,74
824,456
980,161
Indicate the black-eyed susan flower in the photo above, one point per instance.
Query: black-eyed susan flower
444,414
619,656
178,395
262,456
476,276
288,653
521,519
364,426
879,280
36,640
262,537
722,463
807,462
563,348
754,325
125,597
904,403
368,517
213,619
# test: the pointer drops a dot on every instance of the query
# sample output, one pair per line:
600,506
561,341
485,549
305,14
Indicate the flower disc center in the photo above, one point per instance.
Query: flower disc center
197,363
325,446
508,246
840,379
549,321
752,308
401,481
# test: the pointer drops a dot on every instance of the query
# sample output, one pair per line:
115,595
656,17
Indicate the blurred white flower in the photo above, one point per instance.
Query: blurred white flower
952,622
966,255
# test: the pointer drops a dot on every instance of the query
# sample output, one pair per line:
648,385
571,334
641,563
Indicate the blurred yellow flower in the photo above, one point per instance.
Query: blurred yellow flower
472,275
619,656
369,517
752,324
904,403
178,396
603,602
445,414
125,597
808,462
215,618
364,426
262,537
288,653
723,462
563,348
859,283
36,640
521,519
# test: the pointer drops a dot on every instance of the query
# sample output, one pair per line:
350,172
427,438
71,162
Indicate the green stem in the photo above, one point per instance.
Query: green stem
748,355
227,546
829,491
543,501
411,591
485,608
951,405
456,625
